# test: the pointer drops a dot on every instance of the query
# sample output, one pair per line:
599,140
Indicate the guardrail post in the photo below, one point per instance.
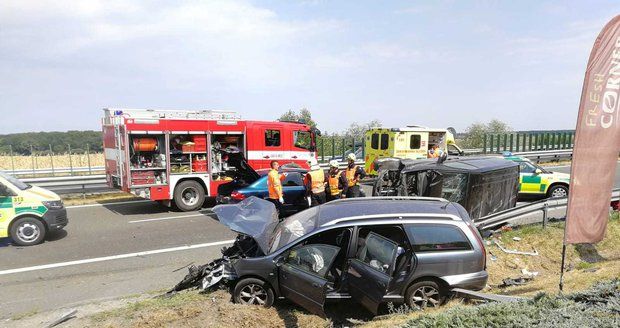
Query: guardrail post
511,141
499,138
484,143
12,162
70,160
88,158
570,140
52,160
491,143
547,140
530,135
32,158
364,148
505,141
517,145
333,146
545,214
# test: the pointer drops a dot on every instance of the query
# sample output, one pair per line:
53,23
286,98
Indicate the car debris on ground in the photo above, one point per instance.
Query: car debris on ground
519,281
509,251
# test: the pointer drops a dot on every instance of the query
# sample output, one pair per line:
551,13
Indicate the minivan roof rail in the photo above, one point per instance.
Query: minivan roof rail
347,200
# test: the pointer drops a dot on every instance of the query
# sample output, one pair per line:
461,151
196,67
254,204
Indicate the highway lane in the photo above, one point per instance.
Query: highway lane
103,231
112,230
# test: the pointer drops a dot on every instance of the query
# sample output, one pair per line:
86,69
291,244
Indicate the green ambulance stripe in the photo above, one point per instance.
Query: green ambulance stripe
6,202
542,187
39,210
531,179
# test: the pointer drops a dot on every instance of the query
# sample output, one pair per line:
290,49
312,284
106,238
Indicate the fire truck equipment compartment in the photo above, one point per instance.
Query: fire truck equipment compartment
144,144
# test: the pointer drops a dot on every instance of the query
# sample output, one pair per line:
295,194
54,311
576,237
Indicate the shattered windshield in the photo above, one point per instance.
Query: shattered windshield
293,227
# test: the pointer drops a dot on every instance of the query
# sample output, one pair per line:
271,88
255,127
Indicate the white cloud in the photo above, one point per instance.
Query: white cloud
227,40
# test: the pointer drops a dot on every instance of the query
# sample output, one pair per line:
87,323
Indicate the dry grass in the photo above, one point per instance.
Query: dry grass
190,309
548,242
45,162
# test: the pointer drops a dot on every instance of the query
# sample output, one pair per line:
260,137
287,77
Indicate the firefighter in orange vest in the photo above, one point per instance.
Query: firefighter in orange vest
274,184
335,181
315,183
353,175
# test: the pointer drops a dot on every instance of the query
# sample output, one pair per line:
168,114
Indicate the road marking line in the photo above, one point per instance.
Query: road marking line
114,257
113,203
167,218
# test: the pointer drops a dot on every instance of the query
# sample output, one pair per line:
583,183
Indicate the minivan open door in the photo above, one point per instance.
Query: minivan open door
369,273
302,275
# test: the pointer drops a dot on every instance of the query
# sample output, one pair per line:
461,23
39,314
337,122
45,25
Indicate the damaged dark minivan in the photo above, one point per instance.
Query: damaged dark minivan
482,185
371,250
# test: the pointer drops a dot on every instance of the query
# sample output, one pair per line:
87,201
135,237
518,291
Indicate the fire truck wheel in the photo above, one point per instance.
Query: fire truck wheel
189,195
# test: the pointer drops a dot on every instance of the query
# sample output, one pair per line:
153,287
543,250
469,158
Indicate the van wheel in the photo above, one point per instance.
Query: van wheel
557,191
27,231
424,294
252,291
189,195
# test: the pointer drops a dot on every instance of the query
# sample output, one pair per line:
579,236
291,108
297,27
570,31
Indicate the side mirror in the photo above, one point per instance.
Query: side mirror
278,261
538,171
5,191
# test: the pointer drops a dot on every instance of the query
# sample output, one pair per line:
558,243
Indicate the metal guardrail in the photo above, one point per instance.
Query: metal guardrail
70,183
539,211
537,156
56,170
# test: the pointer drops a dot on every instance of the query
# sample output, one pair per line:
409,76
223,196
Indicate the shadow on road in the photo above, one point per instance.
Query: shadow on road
56,235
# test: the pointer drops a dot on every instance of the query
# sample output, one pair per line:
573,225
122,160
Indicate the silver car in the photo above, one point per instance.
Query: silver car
371,250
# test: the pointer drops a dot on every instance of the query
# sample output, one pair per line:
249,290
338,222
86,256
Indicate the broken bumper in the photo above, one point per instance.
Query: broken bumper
473,281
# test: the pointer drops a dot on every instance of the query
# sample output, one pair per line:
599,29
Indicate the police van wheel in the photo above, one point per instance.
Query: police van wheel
27,231
189,196
558,191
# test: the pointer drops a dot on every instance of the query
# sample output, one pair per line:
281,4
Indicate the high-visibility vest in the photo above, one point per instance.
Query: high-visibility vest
333,184
317,181
274,184
350,173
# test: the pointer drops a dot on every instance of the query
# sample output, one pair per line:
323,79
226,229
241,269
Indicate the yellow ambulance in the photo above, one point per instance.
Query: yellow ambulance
413,142
28,213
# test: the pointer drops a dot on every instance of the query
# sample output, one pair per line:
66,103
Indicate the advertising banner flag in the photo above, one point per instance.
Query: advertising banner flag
597,141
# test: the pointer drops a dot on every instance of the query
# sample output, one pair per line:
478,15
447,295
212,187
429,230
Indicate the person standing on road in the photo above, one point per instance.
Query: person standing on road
335,181
315,183
353,174
274,184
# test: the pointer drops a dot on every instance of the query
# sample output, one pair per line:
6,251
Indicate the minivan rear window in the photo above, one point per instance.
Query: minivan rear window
385,141
437,238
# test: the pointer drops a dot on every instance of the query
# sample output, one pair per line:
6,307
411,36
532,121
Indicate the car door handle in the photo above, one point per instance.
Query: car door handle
266,156
294,157
316,285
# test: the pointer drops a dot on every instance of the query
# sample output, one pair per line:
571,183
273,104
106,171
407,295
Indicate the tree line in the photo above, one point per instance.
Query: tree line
39,142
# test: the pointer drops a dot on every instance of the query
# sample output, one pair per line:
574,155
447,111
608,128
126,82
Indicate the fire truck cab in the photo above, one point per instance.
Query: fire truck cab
177,157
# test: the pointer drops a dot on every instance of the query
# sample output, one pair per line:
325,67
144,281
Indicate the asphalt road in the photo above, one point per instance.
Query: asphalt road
95,257
106,231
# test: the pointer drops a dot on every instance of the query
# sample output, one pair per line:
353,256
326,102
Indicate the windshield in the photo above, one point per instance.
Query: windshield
14,181
294,227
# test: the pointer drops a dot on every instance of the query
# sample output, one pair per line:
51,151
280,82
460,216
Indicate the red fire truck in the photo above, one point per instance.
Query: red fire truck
176,156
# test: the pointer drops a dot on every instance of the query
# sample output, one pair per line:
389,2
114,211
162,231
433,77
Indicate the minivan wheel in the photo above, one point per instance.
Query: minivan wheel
558,191
189,195
424,294
252,291
27,231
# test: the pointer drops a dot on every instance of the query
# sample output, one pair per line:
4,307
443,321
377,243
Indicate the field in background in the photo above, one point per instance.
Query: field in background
21,162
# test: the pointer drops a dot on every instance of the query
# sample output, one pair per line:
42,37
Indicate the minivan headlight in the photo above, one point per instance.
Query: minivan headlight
53,204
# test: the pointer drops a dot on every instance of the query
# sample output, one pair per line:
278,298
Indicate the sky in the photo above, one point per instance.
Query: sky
433,63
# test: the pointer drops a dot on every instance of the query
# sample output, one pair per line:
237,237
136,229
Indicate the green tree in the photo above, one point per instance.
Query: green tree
357,130
304,115
476,131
